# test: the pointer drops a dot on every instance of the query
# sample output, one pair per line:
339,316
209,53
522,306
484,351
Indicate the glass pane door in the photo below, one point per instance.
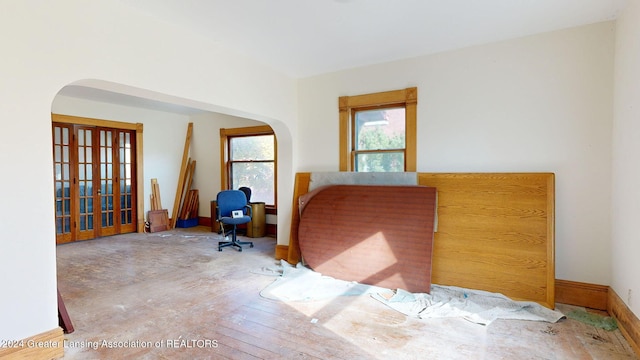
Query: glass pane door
107,180
94,177
127,181
62,181
85,183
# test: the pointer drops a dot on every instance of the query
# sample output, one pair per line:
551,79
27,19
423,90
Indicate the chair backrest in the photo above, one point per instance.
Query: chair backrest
246,191
229,200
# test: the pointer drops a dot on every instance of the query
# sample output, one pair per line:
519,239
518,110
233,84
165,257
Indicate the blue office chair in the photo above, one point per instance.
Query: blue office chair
228,202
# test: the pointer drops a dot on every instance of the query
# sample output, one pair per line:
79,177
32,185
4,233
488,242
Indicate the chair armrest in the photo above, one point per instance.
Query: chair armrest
249,210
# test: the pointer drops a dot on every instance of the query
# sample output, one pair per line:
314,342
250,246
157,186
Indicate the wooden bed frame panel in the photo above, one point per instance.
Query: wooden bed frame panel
495,232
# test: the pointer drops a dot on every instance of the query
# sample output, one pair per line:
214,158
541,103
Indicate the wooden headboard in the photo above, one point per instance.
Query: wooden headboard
495,232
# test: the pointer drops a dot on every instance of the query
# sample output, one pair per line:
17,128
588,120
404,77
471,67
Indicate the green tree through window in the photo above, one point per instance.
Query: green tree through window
252,164
379,144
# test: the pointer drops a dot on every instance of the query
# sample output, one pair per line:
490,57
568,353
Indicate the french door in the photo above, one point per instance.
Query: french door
94,176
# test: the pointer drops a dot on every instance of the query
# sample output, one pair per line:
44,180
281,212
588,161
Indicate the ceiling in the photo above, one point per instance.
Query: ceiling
309,37
303,38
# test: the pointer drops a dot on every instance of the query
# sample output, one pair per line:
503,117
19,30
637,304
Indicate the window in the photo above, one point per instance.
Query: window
378,142
249,159
378,131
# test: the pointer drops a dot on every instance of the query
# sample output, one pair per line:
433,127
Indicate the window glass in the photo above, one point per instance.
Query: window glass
252,164
380,162
379,140
258,177
380,129
258,147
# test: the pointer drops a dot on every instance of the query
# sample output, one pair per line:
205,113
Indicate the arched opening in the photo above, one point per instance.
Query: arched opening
157,123
163,118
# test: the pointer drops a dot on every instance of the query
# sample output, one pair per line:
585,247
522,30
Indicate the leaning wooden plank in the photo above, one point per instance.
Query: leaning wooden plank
187,205
196,206
191,211
189,179
188,182
186,188
301,187
193,206
183,169
152,197
156,194
63,316
181,214
192,170
152,200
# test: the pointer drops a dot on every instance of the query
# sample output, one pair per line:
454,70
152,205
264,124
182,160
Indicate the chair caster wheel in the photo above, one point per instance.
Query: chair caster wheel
251,245
240,250
219,249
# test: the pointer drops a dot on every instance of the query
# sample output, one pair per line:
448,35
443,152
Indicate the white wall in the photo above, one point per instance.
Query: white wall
48,45
626,160
541,103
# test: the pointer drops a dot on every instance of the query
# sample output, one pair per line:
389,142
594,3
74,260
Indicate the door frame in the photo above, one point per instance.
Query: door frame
137,127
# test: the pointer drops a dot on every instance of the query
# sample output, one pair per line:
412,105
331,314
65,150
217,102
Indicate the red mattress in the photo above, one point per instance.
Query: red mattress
376,235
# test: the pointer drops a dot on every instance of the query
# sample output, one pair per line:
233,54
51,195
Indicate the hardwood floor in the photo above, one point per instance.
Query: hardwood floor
172,295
